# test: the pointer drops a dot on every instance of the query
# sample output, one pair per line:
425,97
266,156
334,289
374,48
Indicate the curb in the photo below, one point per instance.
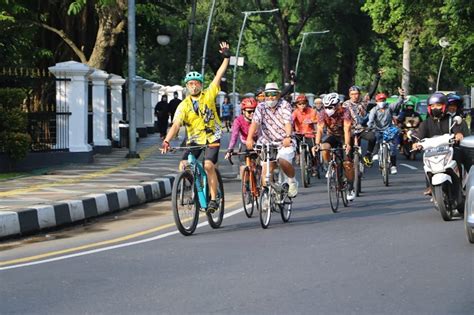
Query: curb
36,218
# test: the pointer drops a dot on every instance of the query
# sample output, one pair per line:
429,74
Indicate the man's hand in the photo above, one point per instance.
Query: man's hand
315,149
286,142
458,137
225,52
347,147
416,146
292,76
401,91
165,147
249,144
228,154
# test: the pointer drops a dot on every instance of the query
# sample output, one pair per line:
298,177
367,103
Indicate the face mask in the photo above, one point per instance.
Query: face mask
330,112
381,105
271,103
436,112
194,90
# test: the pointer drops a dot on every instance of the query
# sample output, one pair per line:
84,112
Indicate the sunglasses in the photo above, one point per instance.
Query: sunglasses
249,111
329,107
269,94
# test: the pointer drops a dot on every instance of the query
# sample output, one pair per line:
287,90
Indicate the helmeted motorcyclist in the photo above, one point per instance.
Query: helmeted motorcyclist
437,124
455,108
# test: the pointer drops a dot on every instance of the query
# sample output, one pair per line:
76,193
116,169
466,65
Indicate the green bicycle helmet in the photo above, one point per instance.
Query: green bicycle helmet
410,102
193,75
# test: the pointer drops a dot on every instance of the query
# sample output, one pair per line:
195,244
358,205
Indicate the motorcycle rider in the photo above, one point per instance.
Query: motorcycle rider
455,108
408,119
437,124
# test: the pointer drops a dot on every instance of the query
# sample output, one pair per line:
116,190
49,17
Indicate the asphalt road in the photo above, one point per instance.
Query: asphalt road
389,252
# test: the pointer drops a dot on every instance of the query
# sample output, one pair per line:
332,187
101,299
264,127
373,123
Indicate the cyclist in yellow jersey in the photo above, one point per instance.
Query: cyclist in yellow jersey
197,112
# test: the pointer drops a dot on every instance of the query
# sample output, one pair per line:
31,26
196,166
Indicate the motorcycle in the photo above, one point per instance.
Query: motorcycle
409,125
444,174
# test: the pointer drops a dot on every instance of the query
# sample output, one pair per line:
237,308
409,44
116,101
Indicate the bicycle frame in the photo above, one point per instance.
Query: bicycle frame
199,175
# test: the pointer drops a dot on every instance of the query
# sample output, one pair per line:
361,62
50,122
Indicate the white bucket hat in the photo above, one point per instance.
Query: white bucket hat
271,87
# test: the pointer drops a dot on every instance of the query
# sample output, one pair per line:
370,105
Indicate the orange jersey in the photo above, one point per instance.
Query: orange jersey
303,121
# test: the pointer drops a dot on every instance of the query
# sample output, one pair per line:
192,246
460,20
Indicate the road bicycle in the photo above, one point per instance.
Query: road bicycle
336,180
251,175
274,195
190,194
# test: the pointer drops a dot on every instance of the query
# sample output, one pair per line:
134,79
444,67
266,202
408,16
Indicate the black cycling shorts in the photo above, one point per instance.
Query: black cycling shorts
212,152
334,142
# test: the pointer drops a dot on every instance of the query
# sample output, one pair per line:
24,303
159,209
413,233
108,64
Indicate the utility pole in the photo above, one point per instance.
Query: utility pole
190,36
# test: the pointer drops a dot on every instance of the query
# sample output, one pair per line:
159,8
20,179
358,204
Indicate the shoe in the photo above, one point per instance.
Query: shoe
427,192
393,170
375,157
351,195
213,206
367,161
293,189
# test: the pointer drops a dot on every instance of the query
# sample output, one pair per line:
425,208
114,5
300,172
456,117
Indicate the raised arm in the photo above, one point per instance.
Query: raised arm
224,50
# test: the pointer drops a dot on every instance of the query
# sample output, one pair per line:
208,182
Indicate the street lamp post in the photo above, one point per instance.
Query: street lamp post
443,42
246,15
132,150
299,52
211,13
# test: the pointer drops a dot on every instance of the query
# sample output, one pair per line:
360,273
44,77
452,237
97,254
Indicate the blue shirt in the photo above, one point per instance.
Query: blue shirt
226,109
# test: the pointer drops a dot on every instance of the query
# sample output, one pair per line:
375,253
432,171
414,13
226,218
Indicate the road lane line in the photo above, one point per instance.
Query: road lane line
27,261
409,166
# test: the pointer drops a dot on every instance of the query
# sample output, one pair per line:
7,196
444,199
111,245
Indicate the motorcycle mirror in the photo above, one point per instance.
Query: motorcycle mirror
457,120
410,134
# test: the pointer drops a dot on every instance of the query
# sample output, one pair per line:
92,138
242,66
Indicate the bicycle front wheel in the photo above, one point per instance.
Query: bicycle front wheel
265,205
386,165
215,218
333,190
184,203
247,196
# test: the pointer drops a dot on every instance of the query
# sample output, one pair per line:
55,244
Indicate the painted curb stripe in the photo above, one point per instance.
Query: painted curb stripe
38,217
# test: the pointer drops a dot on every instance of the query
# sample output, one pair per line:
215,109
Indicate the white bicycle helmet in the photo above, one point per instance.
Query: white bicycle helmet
331,99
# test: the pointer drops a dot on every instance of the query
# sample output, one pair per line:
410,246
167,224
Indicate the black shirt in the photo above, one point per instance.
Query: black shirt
435,127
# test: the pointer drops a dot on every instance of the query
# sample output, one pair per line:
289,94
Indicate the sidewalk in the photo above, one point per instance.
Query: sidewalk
77,192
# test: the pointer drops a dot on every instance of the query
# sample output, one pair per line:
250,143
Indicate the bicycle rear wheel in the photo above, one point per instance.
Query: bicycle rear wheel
247,196
343,188
303,167
286,208
265,206
215,218
333,191
184,203
386,165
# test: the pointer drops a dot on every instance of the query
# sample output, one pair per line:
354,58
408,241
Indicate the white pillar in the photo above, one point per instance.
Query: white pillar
155,97
219,101
116,82
140,108
310,97
75,95
99,109
148,107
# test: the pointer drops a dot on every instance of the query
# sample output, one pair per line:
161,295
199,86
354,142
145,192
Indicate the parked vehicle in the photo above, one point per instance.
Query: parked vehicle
467,148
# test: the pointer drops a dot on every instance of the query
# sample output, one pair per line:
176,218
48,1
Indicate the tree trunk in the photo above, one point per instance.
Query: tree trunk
112,21
406,66
346,71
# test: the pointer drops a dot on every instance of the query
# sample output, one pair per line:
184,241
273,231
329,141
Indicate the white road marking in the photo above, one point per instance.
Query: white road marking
409,166
98,250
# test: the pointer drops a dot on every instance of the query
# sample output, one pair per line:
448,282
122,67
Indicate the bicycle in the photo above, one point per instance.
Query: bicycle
251,175
308,162
336,180
384,161
274,194
190,195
